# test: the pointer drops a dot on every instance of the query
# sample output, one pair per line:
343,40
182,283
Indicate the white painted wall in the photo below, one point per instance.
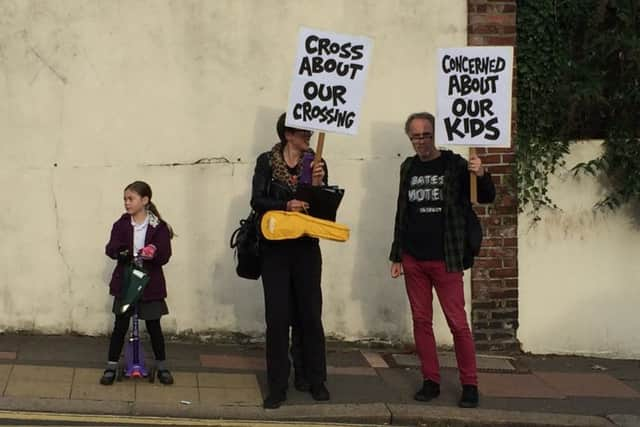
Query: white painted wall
94,95
579,271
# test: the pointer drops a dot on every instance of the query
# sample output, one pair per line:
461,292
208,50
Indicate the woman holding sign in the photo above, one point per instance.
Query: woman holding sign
291,269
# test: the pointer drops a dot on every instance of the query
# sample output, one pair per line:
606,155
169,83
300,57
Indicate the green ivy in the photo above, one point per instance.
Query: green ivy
578,73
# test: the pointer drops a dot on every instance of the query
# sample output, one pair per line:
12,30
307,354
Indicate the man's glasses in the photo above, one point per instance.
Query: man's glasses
420,137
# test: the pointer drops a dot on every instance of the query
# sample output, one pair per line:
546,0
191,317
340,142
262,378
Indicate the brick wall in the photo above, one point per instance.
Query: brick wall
494,277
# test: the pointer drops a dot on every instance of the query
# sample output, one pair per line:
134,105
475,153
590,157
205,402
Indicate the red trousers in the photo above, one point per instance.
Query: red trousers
421,277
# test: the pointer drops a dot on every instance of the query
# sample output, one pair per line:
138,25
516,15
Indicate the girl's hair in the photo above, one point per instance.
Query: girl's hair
144,190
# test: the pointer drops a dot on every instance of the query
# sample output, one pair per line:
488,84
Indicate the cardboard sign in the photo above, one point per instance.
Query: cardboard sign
328,81
474,96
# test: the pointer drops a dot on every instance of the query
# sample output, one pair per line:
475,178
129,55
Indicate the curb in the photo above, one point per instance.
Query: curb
439,416
375,413
372,414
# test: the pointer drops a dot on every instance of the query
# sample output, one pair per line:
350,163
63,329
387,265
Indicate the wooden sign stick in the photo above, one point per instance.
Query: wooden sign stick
473,187
318,156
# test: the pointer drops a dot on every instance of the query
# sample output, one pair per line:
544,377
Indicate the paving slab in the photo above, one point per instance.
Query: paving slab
484,362
117,392
375,360
53,374
86,386
31,404
10,342
345,358
624,420
406,359
346,390
402,383
634,384
184,379
171,394
62,349
231,396
516,386
351,370
39,381
575,364
448,360
7,355
40,389
224,361
5,371
227,381
364,389
582,384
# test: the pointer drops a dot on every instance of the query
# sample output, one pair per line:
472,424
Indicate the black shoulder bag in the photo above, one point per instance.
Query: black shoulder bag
473,237
245,241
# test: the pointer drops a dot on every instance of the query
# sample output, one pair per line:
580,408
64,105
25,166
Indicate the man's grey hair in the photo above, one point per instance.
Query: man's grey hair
422,116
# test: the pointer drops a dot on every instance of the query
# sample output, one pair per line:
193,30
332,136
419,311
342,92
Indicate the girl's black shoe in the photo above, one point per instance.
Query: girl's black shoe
108,377
165,377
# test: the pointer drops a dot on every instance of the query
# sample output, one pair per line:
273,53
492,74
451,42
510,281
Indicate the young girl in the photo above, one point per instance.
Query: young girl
140,235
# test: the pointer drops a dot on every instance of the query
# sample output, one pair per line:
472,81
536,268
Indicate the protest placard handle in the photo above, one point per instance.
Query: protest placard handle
318,156
473,187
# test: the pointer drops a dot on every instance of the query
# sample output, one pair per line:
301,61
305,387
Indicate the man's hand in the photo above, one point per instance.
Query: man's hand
297,205
396,270
475,166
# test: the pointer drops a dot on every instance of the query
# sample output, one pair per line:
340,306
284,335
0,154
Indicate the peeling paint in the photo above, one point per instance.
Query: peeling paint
202,161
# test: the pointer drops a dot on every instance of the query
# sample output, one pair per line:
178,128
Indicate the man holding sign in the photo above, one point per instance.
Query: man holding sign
430,247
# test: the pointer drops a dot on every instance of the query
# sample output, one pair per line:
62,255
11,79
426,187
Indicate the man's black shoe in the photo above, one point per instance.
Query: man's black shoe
429,390
469,397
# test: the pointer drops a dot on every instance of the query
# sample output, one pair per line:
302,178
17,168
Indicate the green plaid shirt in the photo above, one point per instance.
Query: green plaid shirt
456,202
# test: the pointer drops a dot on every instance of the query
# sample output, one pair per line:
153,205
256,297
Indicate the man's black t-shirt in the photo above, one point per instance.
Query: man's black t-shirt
424,236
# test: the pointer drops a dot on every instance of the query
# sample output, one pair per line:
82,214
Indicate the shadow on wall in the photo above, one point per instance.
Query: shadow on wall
382,300
242,298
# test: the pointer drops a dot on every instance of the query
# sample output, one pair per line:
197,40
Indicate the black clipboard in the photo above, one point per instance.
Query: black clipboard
323,201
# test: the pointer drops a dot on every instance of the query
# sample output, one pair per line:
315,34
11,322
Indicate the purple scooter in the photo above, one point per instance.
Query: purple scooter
134,355
133,352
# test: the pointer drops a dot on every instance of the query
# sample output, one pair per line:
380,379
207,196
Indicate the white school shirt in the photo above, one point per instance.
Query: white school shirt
139,234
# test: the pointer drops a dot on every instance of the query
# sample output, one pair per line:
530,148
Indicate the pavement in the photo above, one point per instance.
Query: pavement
214,381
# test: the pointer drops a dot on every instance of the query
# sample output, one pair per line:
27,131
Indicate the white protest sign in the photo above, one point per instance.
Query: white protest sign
474,96
328,84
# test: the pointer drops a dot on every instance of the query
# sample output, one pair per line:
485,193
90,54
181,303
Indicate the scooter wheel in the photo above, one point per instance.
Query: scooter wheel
152,375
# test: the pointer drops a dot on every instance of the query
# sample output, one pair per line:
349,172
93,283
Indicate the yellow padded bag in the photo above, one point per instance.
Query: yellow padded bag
281,225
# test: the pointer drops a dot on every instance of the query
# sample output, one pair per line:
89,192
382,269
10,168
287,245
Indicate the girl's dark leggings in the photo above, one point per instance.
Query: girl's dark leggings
119,334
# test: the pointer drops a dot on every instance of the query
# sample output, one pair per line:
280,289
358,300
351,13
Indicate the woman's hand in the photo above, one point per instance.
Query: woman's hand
297,205
475,166
396,270
318,173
